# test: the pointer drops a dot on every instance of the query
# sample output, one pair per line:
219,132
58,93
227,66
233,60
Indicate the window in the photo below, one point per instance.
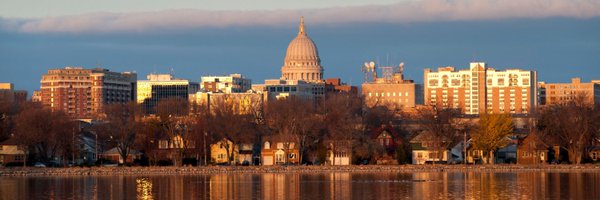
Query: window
280,145
292,156
267,145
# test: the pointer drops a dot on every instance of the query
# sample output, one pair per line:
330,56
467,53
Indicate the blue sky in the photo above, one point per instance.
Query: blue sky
559,39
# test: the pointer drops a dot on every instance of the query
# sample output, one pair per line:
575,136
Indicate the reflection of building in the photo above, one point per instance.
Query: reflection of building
11,152
233,83
280,186
227,186
82,93
392,91
481,89
561,93
279,149
163,86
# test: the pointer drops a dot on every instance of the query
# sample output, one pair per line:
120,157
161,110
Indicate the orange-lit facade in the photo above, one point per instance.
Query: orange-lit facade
561,93
481,89
82,93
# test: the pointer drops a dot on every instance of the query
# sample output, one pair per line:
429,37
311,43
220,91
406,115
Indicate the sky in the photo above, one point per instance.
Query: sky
560,39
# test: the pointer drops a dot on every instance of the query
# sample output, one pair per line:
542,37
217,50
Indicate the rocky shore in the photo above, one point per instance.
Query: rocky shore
108,171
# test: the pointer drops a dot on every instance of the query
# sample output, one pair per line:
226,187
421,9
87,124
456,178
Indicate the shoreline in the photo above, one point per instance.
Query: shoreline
208,170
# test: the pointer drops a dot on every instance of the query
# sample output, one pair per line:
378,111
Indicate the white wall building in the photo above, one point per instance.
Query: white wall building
234,83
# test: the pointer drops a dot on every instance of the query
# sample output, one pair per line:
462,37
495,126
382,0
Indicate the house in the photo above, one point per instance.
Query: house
339,152
169,148
388,140
114,155
245,154
594,150
11,152
424,150
506,154
218,152
280,149
532,150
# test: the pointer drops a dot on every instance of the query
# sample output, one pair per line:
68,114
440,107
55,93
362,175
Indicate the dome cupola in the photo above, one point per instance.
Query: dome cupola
302,60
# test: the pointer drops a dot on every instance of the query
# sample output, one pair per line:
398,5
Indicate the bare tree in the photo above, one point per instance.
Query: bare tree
175,124
229,121
441,127
49,134
121,126
573,124
295,120
341,122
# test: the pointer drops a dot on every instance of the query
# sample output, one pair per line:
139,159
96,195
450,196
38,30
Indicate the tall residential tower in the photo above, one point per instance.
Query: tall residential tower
481,89
82,93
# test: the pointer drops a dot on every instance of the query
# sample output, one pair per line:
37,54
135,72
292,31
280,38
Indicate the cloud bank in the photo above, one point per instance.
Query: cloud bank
405,12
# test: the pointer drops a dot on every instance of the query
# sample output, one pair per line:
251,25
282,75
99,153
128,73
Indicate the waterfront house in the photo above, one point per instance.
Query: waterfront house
594,150
424,150
388,140
219,152
11,152
114,155
245,154
280,149
339,152
532,150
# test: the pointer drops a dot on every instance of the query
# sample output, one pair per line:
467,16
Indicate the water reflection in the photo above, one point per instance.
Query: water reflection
438,185
144,188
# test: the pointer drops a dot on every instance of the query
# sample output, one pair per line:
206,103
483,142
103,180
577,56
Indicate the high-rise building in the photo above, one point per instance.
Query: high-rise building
163,86
234,83
392,91
82,93
561,93
481,89
302,60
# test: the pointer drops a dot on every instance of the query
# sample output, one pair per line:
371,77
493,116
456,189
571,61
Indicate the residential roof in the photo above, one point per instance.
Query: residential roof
533,141
388,128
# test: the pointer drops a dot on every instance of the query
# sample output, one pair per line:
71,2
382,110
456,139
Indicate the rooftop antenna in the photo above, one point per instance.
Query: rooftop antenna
368,69
172,71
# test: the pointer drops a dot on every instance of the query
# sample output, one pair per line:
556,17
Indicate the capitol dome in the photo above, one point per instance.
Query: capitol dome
302,60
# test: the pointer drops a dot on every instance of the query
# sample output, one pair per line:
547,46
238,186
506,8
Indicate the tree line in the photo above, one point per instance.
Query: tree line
187,129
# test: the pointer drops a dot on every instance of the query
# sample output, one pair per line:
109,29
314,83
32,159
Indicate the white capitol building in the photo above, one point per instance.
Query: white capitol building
302,60
301,73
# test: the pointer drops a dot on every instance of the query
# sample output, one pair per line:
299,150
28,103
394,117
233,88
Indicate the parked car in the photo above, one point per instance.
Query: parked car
39,164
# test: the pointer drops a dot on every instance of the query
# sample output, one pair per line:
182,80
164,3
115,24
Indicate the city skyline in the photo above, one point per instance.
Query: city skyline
546,41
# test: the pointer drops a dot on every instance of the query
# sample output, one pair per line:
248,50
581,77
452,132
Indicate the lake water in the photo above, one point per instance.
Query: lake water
427,185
